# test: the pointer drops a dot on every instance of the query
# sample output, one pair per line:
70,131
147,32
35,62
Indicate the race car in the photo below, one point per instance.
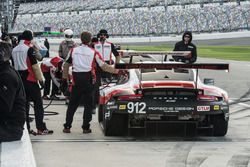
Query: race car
154,93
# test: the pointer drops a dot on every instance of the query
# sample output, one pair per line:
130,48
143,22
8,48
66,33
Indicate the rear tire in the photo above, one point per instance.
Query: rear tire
116,126
220,125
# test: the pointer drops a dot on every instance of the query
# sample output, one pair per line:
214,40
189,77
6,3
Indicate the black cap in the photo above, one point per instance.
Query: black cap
103,31
27,35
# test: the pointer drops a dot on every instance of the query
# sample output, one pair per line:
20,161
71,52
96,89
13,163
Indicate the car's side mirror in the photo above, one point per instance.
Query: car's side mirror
208,81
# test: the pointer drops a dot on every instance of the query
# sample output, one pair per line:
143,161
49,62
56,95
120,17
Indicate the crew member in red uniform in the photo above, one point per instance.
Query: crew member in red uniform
51,69
25,62
82,59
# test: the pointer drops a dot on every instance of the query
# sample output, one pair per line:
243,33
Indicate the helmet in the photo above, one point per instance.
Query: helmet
86,37
103,32
68,34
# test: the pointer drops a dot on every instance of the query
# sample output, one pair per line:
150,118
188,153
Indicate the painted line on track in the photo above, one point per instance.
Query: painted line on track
167,139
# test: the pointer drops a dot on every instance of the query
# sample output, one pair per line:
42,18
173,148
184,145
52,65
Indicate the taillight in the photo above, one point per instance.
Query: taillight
130,97
207,98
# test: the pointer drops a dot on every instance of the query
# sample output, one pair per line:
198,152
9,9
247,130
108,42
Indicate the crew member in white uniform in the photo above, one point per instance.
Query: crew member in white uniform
82,59
110,55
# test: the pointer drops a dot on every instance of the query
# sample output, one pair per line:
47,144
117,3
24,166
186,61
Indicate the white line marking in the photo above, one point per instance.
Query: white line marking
243,104
233,98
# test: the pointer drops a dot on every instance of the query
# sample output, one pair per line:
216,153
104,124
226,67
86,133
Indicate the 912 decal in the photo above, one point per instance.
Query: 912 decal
137,107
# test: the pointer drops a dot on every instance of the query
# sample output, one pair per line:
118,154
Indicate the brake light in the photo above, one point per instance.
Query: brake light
207,98
130,97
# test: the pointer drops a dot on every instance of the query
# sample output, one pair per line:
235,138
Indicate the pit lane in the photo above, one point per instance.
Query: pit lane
77,149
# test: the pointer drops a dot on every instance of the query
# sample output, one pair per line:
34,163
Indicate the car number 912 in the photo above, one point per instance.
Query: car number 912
136,107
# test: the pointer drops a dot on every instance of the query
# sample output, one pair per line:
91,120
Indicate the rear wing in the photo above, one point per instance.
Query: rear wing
164,65
173,65
164,54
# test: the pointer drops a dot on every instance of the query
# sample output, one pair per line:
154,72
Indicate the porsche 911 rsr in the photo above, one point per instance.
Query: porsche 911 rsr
158,93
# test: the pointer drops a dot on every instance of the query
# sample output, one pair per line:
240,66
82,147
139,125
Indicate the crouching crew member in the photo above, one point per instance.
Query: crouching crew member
52,70
25,62
82,59
12,98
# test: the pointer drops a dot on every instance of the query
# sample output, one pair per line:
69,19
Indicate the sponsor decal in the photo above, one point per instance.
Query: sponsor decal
112,107
171,109
189,46
107,114
122,107
203,108
111,103
216,107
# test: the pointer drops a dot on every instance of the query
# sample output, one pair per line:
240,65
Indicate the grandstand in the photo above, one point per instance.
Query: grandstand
140,17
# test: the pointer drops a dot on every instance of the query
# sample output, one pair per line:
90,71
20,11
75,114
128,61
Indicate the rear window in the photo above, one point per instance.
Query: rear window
171,74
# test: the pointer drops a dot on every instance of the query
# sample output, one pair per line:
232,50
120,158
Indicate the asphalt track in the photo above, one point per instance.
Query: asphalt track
77,149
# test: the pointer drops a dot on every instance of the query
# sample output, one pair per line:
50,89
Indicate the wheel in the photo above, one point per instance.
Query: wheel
100,113
220,125
116,126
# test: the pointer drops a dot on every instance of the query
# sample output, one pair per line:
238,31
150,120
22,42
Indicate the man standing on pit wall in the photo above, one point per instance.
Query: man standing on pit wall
82,59
12,97
66,44
186,45
25,62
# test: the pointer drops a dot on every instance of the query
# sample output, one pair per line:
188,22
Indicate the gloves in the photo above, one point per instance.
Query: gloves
64,85
42,84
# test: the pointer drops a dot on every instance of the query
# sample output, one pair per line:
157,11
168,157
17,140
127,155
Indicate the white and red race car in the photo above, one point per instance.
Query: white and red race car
154,93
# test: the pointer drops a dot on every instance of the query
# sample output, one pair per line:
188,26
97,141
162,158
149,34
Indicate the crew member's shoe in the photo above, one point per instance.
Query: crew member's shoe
32,132
45,97
66,130
54,97
86,131
45,132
